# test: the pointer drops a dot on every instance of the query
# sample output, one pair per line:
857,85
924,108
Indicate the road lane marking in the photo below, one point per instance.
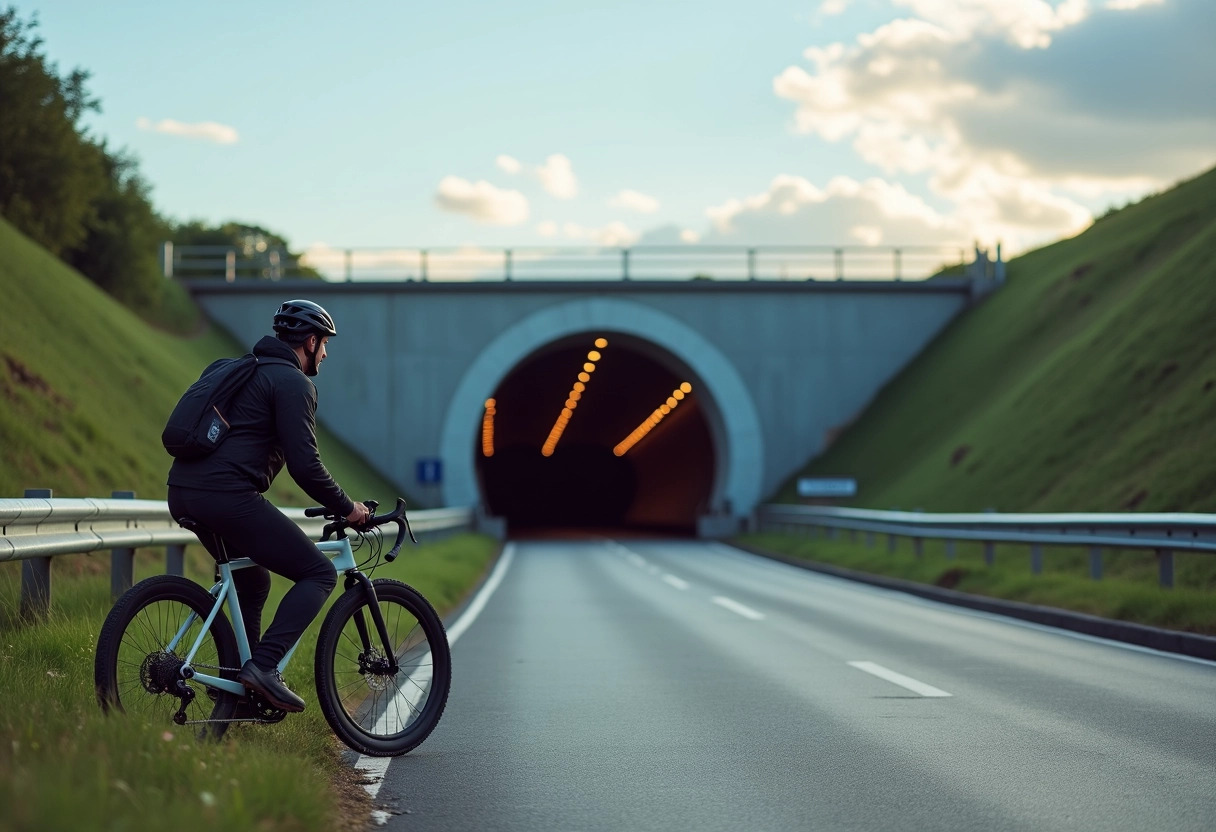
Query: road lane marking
375,768
676,582
899,679
737,608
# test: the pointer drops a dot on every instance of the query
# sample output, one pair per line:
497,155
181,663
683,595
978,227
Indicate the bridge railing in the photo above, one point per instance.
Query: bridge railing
1162,534
686,262
36,529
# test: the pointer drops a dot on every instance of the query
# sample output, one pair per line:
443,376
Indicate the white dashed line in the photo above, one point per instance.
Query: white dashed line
678,583
899,679
737,608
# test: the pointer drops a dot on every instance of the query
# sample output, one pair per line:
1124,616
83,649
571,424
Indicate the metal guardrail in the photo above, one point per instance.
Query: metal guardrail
1163,534
646,262
34,530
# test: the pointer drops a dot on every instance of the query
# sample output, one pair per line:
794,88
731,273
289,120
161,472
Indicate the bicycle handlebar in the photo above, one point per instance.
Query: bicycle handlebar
397,515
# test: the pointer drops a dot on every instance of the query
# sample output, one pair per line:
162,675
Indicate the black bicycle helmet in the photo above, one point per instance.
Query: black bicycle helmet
305,318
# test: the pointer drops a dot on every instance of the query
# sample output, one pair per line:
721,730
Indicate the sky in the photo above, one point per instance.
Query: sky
478,124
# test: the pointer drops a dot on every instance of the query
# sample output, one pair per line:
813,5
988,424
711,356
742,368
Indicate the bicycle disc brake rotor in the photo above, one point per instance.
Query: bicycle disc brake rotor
160,672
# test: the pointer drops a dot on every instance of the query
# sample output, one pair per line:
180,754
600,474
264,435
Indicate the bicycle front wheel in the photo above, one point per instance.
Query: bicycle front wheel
383,700
143,645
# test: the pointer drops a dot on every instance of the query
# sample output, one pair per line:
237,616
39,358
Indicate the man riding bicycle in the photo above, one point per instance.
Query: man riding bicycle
272,423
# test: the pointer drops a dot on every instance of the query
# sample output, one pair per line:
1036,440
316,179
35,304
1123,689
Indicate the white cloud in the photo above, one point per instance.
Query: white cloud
869,235
548,228
1004,117
615,234
208,131
508,164
635,201
689,236
833,7
557,177
482,201
1131,5
1027,23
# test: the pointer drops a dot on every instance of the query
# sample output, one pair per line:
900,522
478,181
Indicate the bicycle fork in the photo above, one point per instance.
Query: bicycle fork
368,662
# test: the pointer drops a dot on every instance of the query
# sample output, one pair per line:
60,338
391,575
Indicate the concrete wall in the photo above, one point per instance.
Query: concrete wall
778,365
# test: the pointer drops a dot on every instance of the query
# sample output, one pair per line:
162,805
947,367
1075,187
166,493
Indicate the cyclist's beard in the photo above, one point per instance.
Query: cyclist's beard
311,368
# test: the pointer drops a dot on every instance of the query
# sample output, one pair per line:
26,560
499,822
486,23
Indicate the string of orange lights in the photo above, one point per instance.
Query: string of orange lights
653,419
572,398
487,428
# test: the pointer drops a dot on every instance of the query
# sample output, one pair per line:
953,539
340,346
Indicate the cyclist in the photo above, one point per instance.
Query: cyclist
272,422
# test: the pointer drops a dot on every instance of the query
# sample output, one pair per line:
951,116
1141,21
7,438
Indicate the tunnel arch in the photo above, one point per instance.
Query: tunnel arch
734,424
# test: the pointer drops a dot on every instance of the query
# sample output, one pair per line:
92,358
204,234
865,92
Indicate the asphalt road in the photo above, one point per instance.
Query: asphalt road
688,686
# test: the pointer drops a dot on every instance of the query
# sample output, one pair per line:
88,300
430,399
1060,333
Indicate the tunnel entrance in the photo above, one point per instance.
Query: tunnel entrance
597,431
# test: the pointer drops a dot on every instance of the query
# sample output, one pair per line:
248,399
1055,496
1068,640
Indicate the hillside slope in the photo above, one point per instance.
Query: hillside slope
1087,383
86,385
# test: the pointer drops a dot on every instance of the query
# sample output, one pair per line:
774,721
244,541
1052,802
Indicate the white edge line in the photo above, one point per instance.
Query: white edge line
737,608
375,768
678,583
900,679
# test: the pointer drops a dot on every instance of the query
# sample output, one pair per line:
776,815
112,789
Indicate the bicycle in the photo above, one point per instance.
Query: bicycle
383,666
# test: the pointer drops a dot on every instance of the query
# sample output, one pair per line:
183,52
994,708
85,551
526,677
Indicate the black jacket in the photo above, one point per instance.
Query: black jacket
273,420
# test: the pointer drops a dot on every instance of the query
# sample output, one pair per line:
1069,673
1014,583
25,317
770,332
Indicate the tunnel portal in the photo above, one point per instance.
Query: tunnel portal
597,431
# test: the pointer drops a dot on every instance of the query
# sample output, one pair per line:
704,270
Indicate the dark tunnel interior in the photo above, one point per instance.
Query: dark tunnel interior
659,484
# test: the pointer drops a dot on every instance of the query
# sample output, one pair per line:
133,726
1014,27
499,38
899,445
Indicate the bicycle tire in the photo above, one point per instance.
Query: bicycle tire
130,651
365,709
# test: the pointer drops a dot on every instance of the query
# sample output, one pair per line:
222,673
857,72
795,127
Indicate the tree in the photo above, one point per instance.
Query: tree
50,173
118,252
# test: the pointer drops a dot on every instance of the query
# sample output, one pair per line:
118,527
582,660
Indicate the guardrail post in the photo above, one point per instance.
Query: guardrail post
122,560
870,539
1036,559
1095,562
949,550
751,264
175,559
918,547
897,254
852,535
624,264
831,530
1165,568
230,266
891,543
989,553
36,574
422,264
839,253
349,277
506,263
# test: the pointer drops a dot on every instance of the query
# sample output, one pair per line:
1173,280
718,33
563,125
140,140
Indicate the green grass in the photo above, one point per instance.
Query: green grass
63,765
86,386
1087,383
1128,590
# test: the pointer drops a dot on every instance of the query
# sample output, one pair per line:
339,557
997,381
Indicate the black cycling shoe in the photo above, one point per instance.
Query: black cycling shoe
270,684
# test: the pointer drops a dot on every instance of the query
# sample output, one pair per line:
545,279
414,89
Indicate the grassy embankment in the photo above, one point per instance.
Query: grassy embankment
85,387
1087,383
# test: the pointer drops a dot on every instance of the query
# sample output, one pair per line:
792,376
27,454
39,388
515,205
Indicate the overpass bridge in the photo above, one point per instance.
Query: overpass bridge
772,369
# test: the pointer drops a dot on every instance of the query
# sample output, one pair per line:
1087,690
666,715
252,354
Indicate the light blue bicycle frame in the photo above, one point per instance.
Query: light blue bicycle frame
343,559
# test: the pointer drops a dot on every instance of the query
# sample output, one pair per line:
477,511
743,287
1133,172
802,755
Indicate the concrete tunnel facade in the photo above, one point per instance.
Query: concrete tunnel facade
777,367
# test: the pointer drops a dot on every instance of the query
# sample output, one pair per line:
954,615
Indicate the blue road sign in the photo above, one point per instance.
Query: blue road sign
429,471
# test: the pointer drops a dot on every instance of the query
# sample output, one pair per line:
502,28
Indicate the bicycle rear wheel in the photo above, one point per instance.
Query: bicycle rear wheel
371,708
134,669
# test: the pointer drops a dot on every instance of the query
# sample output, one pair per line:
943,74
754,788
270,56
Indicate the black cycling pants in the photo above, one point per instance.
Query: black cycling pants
253,528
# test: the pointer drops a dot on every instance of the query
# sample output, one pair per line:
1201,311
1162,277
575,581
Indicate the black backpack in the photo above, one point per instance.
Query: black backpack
197,426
